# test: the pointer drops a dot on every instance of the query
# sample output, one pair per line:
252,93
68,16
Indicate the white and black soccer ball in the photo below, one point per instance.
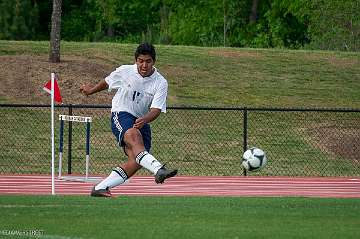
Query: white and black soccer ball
254,159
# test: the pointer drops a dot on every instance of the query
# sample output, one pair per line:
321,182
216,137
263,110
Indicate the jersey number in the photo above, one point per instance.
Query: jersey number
136,94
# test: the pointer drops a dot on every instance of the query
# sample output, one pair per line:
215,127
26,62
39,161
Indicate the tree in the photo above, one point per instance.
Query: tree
19,19
54,55
253,14
335,25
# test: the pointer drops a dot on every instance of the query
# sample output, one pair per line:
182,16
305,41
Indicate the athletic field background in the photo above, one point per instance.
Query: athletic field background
199,142
198,77
204,141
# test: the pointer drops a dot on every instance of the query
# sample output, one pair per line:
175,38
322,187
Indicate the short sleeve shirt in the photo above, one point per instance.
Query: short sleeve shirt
136,94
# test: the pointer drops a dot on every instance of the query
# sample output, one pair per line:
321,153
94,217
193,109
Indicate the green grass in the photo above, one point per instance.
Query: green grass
181,217
229,76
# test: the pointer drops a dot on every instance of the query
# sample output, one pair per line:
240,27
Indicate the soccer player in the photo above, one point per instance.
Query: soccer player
140,98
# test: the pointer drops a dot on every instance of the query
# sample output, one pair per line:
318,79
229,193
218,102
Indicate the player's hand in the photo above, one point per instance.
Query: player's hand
86,89
139,123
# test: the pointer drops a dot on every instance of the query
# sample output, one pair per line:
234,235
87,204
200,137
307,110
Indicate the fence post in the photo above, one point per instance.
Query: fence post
69,140
87,149
245,135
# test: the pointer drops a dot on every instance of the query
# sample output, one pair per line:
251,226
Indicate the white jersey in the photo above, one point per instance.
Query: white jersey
136,94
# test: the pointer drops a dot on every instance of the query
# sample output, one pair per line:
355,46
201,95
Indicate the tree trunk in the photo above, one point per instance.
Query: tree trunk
54,55
224,22
110,32
164,24
253,14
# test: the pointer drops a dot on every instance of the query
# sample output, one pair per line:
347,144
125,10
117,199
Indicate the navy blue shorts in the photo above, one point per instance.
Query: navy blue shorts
121,122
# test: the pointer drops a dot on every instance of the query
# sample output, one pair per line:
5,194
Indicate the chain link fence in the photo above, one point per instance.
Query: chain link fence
197,141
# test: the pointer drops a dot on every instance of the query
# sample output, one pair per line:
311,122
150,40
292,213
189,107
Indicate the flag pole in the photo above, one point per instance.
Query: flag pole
53,89
52,136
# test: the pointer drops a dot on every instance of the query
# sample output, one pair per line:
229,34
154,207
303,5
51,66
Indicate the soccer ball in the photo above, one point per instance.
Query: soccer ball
254,159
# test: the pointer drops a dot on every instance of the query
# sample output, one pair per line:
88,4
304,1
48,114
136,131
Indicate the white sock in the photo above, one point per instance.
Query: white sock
148,161
117,176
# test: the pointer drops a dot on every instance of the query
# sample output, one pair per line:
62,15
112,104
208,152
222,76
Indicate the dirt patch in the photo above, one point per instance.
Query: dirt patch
235,54
341,63
335,140
23,77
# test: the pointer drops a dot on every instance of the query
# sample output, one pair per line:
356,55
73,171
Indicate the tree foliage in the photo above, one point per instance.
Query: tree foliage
334,25
316,24
19,20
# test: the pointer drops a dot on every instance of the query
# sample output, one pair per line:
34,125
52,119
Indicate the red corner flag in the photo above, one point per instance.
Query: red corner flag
57,95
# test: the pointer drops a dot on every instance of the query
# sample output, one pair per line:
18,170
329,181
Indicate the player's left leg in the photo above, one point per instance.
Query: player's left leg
139,142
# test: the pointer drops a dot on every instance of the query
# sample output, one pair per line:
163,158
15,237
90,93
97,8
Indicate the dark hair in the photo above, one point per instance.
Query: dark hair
145,49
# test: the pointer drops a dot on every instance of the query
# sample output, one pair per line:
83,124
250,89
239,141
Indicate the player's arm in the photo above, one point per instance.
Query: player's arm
149,117
89,89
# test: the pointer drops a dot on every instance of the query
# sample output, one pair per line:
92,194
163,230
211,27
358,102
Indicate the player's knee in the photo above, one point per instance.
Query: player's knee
132,137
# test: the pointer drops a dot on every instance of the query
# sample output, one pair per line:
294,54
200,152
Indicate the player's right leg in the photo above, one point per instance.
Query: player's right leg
137,146
117,177
120,124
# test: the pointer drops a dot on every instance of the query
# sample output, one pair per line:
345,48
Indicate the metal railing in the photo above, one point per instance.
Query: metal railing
197,140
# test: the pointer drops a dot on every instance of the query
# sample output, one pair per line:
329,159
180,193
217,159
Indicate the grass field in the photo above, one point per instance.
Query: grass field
197,75
179,217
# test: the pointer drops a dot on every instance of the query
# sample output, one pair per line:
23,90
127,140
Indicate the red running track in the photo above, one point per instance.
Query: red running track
329,187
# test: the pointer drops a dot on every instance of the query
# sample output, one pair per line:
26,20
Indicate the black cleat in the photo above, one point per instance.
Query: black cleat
101,193
164,173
